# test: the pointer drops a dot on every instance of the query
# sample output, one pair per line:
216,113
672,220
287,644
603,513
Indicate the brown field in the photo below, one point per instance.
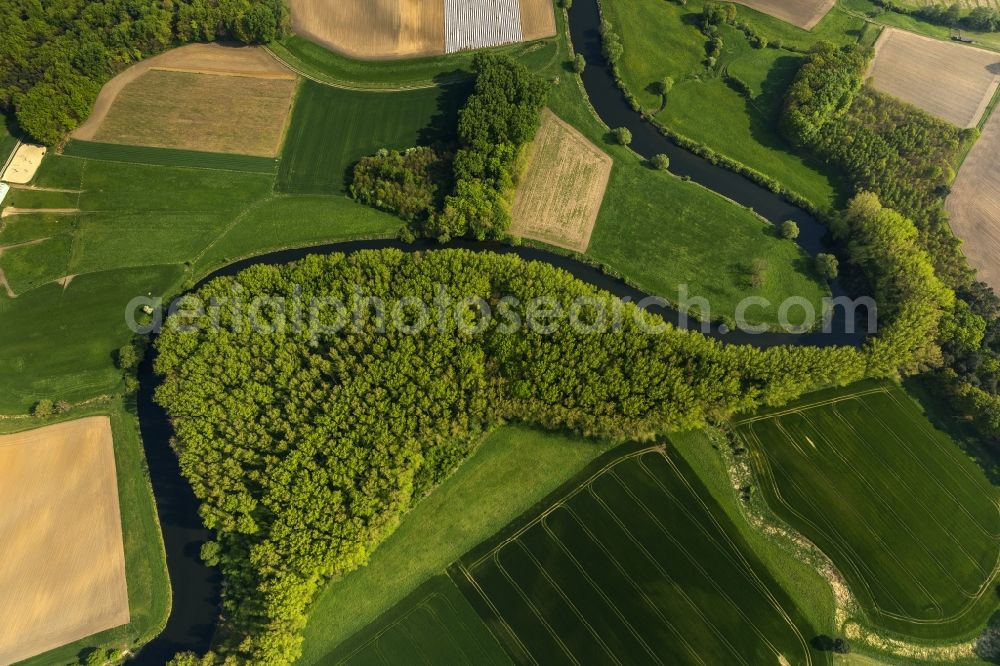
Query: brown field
186,98
560,195
218,113
802,13
954,82
63,571
974,205
372,29
537,19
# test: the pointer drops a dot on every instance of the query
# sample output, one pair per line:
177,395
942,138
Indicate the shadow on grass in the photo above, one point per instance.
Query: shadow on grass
929,392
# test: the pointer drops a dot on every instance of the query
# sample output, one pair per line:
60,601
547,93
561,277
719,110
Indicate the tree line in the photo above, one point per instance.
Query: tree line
904,156
307,445
56,55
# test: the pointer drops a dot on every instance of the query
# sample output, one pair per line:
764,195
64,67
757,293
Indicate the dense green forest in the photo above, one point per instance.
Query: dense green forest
406,183
56,55
307,445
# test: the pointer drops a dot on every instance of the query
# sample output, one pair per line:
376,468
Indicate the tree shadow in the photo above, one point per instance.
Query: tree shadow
442,130
929,392
764,112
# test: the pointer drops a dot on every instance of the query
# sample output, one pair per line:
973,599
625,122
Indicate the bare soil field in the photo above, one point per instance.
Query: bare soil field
372,29
802,13
952,81
560,195
974,204
538,19
236,62
63,573
24,164
217,113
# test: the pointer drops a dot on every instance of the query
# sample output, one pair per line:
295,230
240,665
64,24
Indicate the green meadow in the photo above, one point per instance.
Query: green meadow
331,129
908,519
662,39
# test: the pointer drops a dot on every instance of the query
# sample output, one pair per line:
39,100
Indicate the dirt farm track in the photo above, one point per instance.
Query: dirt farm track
974,205
63,573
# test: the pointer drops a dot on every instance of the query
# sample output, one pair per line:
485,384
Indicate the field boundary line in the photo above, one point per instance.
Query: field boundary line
638,588
496,611
740,557
687,554
423,85
562,593
911,495
10,158
599,590
801,408
526,600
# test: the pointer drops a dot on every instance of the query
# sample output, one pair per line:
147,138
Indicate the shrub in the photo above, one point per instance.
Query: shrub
579,63
827,266
660,162
622,136
43,408
789,230
405,183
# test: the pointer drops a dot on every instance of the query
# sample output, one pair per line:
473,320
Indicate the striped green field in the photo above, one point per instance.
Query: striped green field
331,129
910,521
435,625
169,157
634,564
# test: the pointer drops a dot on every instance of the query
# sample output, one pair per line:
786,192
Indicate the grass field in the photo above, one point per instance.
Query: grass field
7,140
332,68
636,563
560,193
332,129
169,157
907,518
145,565
513,468
952,81
435,625
245,115
662,39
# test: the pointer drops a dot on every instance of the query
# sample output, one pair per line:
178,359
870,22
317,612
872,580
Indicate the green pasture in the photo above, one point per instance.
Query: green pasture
145,559
152,220
141,230
662,39
513,468
636,563
170,157
331,129
906,516
334,69
7,140
435,625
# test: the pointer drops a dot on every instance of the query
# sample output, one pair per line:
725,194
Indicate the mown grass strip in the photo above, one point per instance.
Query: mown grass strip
112,152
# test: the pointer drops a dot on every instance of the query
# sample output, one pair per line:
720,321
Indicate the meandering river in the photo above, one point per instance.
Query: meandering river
197,588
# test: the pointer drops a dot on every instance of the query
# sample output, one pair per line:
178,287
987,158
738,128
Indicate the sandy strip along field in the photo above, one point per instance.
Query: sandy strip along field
200,58
23,164
372,29
974,204
63,572
954,82
802,13
558,200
